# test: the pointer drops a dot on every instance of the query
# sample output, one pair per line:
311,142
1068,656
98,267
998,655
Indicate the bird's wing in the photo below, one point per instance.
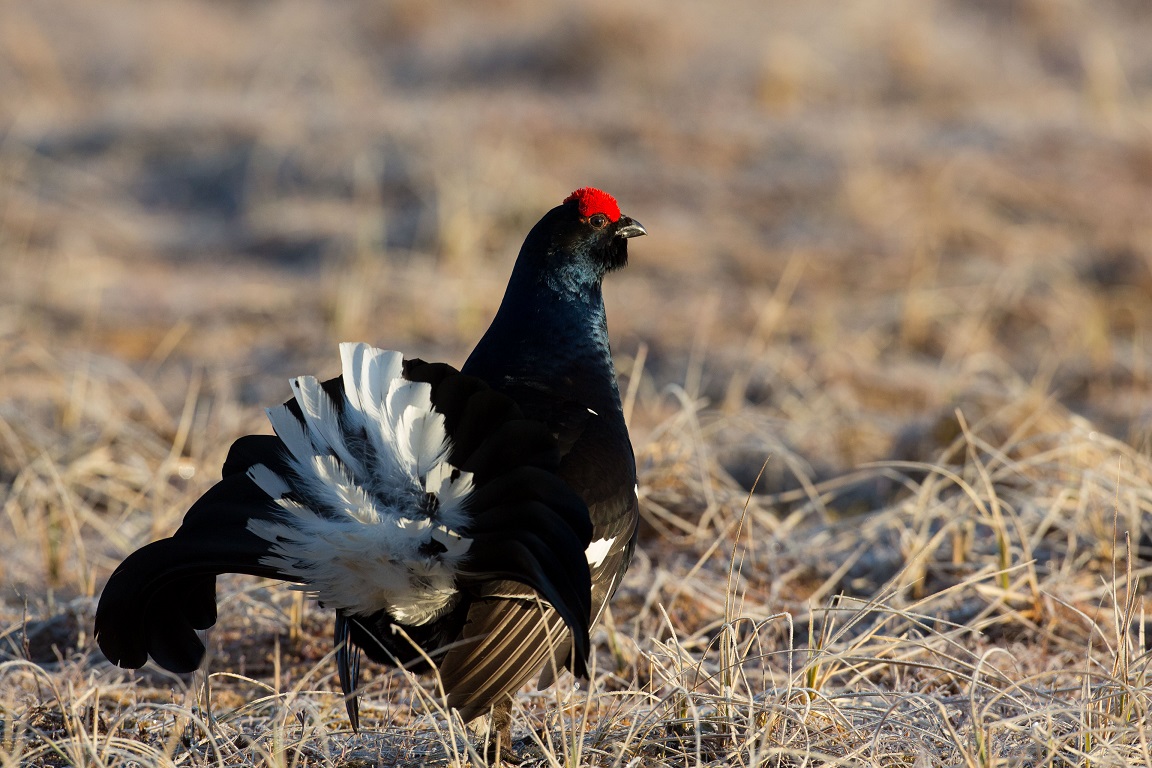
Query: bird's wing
511,634
608,555
526,524
504,643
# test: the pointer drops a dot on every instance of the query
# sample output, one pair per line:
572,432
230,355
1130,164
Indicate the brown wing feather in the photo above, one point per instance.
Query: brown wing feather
504,643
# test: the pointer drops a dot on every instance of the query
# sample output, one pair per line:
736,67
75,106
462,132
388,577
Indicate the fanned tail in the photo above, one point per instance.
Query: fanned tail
373,513
397,494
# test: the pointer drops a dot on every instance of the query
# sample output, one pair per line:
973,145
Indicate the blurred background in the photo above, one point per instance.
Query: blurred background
863,215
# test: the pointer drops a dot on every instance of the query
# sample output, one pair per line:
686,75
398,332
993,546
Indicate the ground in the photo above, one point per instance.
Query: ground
886,354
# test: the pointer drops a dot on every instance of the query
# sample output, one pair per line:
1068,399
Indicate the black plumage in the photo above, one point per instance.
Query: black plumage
508,545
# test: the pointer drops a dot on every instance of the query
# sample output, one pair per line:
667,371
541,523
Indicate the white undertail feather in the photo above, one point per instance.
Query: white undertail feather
371,493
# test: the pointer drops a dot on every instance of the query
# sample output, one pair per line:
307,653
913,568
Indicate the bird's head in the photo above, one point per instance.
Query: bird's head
580,240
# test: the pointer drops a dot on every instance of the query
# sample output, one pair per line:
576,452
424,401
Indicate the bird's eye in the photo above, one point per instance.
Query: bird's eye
598,221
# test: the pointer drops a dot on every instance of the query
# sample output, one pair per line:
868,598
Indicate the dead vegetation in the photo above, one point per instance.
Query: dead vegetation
886,355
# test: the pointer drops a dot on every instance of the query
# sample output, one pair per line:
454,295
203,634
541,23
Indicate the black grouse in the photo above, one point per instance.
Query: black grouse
481,518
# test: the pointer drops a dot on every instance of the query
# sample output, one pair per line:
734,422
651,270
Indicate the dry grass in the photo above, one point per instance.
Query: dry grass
886,353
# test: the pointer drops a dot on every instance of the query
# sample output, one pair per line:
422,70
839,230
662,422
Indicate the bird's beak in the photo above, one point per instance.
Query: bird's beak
629,228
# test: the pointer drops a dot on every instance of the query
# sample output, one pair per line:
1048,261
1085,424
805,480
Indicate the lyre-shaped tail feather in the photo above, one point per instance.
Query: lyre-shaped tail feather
348,668
161,594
